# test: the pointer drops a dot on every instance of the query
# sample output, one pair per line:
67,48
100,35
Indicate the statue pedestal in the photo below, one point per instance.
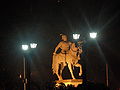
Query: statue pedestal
74,82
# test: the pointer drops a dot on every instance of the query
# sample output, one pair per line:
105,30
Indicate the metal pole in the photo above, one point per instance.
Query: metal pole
107,77
24,73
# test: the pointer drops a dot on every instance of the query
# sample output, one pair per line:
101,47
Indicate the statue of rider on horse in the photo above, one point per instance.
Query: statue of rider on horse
68,56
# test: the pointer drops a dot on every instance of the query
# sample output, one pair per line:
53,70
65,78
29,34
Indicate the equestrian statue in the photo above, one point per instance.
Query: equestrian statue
69,56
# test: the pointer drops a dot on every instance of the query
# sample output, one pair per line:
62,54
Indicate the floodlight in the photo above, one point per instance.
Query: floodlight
93,35
76,36
25,47
33,45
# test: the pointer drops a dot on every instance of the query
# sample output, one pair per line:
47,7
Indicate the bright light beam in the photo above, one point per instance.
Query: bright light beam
76,36
93,35
25,47
33,45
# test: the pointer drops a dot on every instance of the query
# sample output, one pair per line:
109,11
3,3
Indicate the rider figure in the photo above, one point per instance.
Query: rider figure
64,45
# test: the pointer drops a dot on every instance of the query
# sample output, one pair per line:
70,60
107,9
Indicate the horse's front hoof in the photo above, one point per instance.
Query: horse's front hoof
80,74
73,78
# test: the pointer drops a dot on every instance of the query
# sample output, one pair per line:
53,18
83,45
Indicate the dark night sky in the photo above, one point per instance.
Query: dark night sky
43,20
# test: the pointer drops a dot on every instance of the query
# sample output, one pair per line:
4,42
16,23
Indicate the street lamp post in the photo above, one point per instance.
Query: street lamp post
107,76
25,48
93,35
25,79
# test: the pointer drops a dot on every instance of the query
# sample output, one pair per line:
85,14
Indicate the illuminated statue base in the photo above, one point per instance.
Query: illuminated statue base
74,82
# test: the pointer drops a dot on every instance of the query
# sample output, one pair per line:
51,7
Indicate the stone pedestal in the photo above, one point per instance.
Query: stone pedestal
74,82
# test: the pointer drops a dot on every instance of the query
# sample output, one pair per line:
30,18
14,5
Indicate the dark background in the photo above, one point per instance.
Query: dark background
42,21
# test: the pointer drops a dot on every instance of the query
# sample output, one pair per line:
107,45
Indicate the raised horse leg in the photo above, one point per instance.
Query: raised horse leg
71,71
80,66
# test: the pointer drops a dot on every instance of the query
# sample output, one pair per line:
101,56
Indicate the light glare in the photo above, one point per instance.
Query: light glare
25,47
76,36
93,35
33,45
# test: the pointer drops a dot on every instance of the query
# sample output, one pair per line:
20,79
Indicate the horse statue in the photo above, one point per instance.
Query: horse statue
69,59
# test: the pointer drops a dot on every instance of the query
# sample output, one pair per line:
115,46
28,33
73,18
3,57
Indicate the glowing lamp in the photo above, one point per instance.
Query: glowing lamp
76,36
33,45
25,47
93,35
